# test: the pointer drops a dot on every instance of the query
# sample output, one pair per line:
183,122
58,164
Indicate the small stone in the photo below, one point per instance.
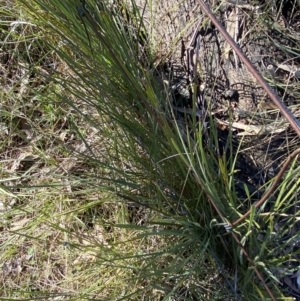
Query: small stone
271,70
231,94
297,73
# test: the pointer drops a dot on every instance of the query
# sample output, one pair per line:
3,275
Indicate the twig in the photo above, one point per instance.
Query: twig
239,243
253,266
295,124
272,188
284,110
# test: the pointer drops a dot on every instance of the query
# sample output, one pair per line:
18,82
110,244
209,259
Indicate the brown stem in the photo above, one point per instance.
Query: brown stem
295,124
254,267
272,188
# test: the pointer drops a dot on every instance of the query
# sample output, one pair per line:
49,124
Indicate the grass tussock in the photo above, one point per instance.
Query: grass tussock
104,196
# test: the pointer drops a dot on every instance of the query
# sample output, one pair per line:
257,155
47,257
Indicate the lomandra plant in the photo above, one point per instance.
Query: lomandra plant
178,187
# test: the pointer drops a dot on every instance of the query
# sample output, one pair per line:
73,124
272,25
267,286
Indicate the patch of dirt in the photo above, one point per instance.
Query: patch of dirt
267,35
